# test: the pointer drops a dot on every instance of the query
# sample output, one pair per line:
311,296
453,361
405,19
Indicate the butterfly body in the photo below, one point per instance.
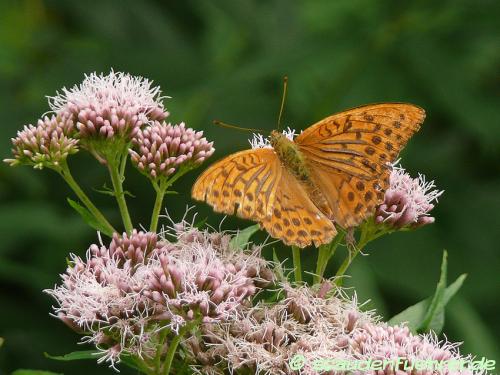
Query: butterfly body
333,173
290,156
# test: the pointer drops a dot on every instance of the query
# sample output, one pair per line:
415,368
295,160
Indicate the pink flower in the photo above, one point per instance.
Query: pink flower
162,149
104,106
47,144
407,201
124,295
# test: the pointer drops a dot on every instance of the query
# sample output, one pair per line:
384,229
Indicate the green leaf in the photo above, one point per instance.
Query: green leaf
243,236
74,356
412,315
88,217
415,315
171,192
436,306
1,341
33,372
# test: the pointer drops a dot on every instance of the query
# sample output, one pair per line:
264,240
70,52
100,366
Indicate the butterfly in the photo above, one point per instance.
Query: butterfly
333,173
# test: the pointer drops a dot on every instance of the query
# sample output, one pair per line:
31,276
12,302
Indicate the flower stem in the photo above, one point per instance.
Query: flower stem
159,349
325,253
368,233
296,264
117,181
160,193
161,188
68,177
173,349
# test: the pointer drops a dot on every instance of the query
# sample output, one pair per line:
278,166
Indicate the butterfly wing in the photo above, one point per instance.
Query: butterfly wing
255,185
295,219
244,182
349,153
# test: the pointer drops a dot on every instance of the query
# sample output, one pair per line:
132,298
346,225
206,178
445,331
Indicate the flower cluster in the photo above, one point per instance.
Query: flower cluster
120,293
407,201
116,104
161,149
47,144
315,327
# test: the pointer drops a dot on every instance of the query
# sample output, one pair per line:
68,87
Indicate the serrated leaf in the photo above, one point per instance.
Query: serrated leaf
34,372
243,236
415,315
74,356
88,217
437,304
412,316
437,323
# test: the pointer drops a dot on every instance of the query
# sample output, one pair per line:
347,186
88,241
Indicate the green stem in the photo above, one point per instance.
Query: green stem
159,350
173,349
68,177
117,180
160,194
161,188
142,366
296,264
325,253
368,234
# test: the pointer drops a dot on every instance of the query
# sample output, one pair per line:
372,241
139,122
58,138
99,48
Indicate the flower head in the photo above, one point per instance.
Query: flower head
124,295
407,201
259,141
104,106
47,144
305,324
162,149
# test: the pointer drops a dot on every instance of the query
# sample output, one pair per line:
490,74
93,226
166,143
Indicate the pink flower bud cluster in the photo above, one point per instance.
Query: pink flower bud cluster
407,201
315,326
47,144
201,276
123,295
162,149
116,104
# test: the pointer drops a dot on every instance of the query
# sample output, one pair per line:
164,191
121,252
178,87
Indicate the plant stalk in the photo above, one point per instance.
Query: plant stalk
296,264
117,181
173,349
68,177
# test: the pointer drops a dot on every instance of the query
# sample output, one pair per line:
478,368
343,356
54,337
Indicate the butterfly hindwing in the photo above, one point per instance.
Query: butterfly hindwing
295,219
243,183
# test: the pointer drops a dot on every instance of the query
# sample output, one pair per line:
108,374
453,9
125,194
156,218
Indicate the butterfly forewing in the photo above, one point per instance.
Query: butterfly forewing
349,155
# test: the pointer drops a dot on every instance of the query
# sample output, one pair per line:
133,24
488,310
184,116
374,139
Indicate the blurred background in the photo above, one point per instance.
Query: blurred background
225,60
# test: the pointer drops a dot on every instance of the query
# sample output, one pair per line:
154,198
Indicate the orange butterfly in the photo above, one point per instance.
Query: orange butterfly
334,172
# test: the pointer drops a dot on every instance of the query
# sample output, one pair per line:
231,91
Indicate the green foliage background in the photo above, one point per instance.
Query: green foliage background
225,60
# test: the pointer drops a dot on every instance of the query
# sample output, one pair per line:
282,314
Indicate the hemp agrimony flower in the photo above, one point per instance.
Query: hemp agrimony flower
162,149
116,104
47,144
407,201
135,296
318,329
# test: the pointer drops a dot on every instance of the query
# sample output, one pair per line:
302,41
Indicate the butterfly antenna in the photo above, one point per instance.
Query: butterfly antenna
224,125
283,98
